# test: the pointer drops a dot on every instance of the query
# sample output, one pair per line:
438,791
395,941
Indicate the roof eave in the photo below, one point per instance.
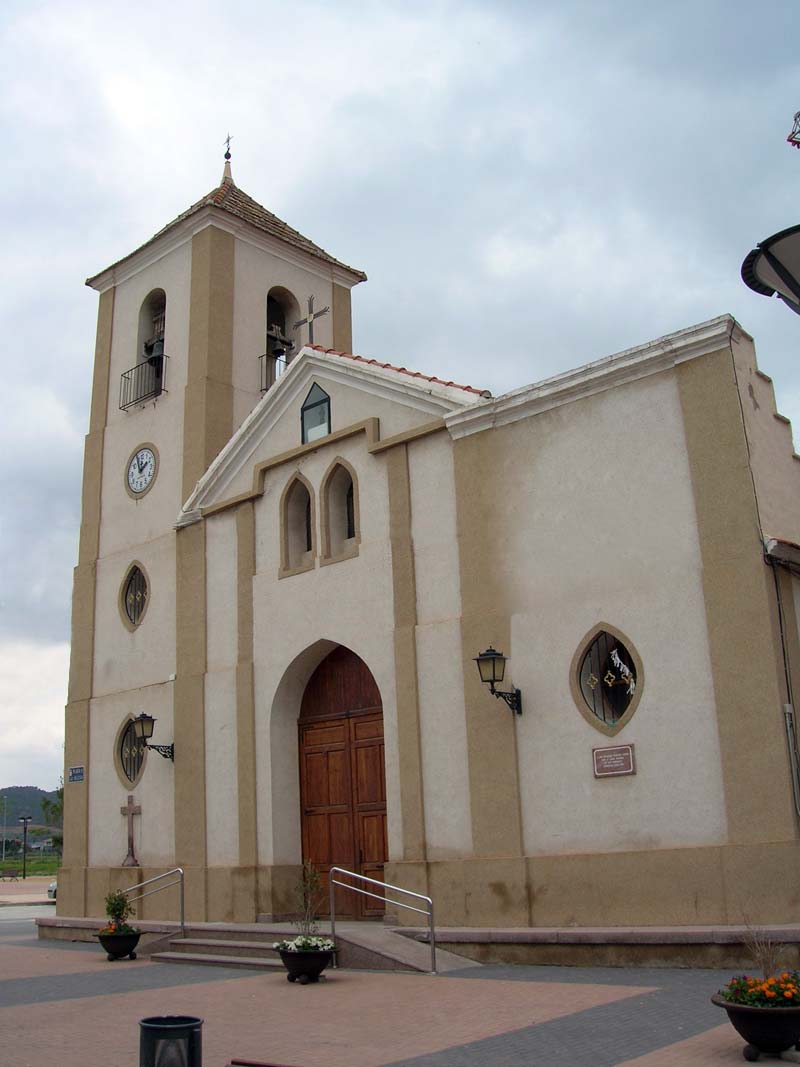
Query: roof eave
204,215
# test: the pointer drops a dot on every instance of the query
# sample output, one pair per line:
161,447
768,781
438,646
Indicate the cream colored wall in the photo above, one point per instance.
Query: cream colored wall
125,521
347,603
595,522
438,642
222,797
776,468
154,828
125,659
257,271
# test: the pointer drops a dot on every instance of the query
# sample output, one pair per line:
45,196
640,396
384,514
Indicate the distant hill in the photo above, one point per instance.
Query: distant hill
23,800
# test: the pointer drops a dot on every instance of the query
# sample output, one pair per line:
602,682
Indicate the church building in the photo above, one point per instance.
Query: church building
291,557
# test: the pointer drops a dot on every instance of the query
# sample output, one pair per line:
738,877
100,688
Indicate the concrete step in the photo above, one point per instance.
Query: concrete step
224,947
203,959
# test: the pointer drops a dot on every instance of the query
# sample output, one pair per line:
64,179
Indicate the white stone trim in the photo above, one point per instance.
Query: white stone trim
432,398
181,232
607,373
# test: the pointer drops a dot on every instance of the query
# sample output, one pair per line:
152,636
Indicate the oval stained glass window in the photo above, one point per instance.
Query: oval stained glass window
131,753
134,597
607,678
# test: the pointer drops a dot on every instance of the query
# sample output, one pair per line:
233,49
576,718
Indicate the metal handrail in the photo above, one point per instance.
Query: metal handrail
384,898
150,892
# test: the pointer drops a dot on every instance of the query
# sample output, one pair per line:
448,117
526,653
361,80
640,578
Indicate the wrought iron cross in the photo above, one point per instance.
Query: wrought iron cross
228,140
309,319
129,810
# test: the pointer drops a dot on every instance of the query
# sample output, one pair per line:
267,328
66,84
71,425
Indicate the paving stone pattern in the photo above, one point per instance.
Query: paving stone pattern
56,996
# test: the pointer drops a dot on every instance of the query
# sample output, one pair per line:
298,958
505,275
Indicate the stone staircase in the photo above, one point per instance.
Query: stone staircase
367,946
237,949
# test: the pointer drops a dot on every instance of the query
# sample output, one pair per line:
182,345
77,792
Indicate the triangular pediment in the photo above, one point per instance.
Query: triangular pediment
393,400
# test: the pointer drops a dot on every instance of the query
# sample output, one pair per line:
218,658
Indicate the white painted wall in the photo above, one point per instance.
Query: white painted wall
146,656
125,521
445,769
257,271
221,750
597,523
154,829
347,603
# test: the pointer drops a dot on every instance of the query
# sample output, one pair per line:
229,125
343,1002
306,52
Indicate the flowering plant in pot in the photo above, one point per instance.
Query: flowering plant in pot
118,937
306,956
764,1011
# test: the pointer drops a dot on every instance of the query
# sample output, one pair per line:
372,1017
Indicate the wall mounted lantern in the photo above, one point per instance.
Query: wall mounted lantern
143,729
492,669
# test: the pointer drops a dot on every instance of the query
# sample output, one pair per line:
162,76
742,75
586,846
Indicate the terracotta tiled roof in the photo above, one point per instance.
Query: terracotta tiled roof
401,370
229,197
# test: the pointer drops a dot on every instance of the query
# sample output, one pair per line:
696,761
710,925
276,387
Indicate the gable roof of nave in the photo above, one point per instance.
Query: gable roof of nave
431,395
227,196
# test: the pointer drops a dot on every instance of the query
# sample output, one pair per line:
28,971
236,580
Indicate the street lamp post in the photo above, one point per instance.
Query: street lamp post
5,813
24,819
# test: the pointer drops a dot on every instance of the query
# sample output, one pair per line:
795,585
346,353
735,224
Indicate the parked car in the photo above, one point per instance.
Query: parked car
52,889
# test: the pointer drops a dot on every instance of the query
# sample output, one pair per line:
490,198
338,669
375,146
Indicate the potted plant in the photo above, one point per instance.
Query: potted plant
117,937
306,956
764,1011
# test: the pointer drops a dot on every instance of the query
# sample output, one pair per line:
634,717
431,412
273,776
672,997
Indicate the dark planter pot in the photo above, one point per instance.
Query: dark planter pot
118,946
305,967
764,1029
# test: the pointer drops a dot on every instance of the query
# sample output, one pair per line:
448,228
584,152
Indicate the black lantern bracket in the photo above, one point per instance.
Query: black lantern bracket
143,726
492,669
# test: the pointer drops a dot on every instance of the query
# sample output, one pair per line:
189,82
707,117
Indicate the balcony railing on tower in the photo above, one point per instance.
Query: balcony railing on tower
145,381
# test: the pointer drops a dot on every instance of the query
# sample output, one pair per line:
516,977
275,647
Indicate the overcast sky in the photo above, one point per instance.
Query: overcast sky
529,186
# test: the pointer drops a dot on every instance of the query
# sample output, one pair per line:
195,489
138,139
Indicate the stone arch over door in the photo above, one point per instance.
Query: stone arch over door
342,776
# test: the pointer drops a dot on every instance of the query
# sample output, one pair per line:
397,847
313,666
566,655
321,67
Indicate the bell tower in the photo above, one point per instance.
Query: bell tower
194,326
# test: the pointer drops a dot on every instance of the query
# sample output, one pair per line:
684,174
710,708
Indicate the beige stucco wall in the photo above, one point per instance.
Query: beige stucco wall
775,466
595,522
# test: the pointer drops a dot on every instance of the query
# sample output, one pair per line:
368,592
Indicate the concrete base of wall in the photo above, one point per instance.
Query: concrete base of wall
714,886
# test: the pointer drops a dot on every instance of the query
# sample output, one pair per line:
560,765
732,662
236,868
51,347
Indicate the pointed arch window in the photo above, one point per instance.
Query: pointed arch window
297,527
315,415
340,516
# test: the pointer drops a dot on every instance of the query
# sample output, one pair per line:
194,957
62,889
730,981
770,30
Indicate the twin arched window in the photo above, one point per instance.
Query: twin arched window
339,519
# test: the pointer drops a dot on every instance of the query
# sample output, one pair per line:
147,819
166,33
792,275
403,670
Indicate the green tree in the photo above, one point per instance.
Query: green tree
53,812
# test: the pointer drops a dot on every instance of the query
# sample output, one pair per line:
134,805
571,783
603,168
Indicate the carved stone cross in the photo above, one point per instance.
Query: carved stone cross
129,810
309,319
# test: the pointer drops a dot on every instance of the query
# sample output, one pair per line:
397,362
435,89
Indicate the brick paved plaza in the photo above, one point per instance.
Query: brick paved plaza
64,1005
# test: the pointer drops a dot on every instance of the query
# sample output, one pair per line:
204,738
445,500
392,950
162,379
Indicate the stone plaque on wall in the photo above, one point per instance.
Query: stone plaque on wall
614,762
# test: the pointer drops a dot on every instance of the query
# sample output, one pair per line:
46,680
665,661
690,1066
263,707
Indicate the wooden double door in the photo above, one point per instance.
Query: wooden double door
342,778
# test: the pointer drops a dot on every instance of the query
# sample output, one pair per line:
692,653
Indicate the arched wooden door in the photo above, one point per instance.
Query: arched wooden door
342,778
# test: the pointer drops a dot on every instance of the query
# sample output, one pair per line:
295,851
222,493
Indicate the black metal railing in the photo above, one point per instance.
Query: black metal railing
143,382
272,367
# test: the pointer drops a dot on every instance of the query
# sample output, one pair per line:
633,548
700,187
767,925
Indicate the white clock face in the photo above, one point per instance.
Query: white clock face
141,470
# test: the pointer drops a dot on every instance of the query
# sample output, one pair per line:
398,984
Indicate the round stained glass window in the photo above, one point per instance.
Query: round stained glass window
607,678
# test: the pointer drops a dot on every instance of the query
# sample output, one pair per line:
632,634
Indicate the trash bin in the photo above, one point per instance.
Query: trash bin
170,1041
